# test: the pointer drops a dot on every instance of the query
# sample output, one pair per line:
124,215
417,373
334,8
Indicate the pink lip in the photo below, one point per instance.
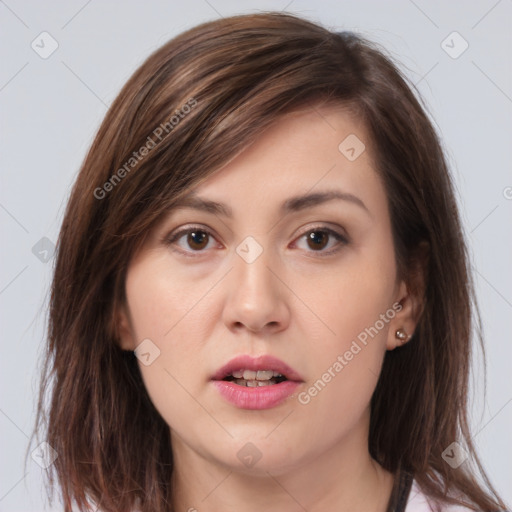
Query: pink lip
263,397
246,362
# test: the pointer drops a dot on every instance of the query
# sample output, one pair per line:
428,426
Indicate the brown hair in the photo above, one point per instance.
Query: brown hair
195,103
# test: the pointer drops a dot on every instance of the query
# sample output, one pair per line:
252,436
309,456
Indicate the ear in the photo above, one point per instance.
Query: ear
123,328
409,301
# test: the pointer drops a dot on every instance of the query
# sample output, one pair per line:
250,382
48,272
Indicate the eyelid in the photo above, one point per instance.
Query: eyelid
323,227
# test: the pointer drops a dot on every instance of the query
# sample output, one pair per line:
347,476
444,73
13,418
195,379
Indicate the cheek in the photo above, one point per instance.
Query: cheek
355,305
173,395
174,317
346,366
162,299
353,298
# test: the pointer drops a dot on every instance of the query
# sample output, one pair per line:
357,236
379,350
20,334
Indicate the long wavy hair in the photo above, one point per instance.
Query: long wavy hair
194,105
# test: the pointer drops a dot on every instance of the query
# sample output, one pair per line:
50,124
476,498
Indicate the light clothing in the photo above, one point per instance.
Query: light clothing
418,502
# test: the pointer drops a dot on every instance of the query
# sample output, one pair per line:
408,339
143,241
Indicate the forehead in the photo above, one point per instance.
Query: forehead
313,151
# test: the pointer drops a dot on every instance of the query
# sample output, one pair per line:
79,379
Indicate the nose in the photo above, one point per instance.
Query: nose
257,296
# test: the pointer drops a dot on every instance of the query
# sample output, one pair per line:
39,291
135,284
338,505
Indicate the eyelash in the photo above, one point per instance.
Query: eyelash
173,237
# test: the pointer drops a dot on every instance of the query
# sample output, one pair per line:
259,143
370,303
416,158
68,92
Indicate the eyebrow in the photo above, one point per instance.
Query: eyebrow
293,204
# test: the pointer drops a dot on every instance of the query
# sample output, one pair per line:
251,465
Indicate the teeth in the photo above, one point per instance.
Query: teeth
264,374
252,378
249,374
255,375
254,383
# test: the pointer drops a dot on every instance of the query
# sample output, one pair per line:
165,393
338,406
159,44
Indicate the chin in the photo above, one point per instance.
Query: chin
260,454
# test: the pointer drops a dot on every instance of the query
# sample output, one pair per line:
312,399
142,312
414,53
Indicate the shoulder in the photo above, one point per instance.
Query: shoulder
418,502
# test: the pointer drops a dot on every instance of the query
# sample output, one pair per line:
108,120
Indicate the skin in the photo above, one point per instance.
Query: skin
295,302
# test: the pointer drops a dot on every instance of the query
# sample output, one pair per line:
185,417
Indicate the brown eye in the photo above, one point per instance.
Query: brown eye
317,239
197,239
190,240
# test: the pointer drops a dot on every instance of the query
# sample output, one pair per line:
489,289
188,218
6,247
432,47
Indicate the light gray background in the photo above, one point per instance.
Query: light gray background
51,108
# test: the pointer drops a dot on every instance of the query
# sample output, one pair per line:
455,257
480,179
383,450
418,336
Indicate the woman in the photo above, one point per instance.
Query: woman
252,304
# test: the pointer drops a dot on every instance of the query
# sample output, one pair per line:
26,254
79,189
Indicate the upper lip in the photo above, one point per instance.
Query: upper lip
263,362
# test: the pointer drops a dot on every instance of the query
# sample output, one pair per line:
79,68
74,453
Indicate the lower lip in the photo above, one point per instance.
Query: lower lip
260,397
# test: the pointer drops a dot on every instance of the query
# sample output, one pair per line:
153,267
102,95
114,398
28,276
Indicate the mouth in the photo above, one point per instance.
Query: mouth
252,379
249,371
256,383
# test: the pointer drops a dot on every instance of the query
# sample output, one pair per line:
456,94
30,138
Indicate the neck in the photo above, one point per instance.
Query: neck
343,478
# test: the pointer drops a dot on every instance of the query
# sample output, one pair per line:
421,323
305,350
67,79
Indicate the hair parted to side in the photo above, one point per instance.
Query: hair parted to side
239,75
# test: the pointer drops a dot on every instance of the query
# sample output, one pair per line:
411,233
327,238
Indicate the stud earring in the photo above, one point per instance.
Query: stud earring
402,335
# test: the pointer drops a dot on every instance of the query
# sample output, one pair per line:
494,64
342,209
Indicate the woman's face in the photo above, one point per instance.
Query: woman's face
312,283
